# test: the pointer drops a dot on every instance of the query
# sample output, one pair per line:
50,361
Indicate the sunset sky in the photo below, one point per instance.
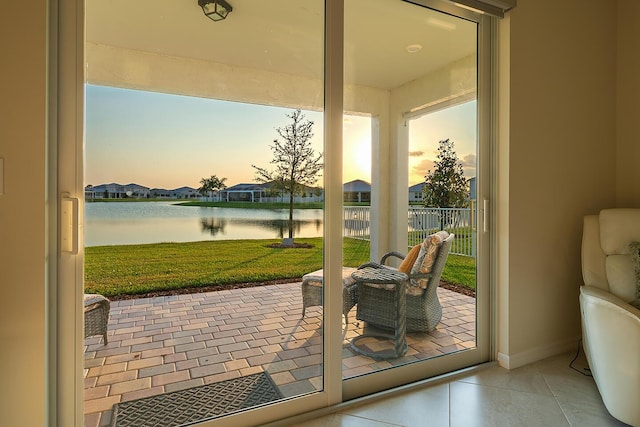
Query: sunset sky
169,141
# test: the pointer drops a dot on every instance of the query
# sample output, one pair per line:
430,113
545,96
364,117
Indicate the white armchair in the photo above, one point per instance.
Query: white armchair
610,325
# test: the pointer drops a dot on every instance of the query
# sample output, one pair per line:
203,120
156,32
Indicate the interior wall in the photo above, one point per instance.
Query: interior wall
22,213
561,154
628,93
561,165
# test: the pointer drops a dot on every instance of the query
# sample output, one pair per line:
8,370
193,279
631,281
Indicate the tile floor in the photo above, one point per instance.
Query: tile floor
546,393
163,344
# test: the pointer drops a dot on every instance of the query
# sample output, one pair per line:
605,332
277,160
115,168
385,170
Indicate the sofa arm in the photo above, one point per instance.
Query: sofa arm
612,343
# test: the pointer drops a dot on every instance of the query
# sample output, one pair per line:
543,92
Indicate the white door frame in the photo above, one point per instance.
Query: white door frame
395,224
66,171
67,176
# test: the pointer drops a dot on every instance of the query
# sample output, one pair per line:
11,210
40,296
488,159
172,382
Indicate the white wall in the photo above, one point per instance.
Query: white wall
628,94
561,121
22,213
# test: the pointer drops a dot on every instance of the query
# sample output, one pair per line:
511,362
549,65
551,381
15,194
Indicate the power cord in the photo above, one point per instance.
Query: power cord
584,371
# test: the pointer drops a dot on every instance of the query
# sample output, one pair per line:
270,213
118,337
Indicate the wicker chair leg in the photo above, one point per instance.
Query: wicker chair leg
96,316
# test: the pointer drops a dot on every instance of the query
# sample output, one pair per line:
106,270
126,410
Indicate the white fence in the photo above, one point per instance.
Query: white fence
420,223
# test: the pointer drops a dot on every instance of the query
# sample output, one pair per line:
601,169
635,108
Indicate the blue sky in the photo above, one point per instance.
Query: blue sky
167,141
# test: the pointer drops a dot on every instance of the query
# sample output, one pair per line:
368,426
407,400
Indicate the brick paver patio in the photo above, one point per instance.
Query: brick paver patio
163,344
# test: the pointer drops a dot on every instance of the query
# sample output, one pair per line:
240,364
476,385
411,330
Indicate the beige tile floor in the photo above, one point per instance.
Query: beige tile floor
546,393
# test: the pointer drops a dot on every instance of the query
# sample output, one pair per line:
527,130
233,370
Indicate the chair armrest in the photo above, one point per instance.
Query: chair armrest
612,344
371,264
593,295
391,254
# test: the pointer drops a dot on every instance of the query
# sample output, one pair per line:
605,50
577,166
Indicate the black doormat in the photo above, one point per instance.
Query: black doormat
196,404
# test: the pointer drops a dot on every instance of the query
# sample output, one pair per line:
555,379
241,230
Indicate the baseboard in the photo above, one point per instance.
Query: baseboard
513,361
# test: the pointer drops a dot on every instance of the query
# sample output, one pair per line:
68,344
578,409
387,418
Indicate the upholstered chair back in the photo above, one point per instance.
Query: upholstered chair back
606,260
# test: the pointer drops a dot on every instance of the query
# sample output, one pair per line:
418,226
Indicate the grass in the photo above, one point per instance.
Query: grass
138,269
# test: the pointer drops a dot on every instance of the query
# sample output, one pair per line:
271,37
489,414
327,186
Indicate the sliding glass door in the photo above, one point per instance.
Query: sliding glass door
203,209
224,256
412,81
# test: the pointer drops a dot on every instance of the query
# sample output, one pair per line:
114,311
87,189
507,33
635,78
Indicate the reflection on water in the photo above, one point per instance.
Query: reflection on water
153,222
214,226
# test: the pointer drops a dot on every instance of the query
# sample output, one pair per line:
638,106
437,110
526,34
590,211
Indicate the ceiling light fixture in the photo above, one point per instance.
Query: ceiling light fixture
413,48
216,10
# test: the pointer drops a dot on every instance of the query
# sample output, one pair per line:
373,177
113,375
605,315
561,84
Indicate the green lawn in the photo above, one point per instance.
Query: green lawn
138,269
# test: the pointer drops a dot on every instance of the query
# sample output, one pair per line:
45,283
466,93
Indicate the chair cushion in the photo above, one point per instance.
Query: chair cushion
91,299
316,278
618,228
621,277
429,252
593,259
409,260
426,258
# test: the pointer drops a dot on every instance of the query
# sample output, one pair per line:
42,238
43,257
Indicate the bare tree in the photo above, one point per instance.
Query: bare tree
296,163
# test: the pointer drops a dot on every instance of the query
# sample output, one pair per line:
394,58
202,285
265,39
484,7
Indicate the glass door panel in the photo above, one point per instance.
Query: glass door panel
203,207
412,72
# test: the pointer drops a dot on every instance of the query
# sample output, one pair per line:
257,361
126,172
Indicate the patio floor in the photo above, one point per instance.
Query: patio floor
164,344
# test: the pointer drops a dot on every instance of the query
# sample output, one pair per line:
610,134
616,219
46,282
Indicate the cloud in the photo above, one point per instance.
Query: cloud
415,153
469,161
418,172
469,164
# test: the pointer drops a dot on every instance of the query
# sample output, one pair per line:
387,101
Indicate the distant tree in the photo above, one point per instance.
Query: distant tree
296,163
212,184
445,185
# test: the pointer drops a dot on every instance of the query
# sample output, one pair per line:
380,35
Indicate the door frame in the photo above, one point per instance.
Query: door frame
65,163
67,177
484,350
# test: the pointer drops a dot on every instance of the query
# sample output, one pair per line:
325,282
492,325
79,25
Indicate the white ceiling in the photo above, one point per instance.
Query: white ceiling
286,36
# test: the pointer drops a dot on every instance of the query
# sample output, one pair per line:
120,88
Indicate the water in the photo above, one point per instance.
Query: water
123,223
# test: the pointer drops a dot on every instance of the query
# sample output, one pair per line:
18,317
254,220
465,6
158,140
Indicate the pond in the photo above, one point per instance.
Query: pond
123,223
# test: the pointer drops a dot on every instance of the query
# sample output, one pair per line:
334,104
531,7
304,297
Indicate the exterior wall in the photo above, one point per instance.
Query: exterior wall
628,93
560,149
23,213
455,81
116,191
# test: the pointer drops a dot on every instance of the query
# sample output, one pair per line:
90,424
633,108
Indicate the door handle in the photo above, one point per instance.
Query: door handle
485,215
69,224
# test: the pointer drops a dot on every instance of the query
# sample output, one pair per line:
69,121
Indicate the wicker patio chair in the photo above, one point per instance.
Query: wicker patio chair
376,304
96,315
312,291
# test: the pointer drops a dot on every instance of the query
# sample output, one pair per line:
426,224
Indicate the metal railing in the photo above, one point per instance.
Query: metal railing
420,223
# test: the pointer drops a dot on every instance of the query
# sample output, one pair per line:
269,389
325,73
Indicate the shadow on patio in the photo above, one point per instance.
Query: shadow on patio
163,344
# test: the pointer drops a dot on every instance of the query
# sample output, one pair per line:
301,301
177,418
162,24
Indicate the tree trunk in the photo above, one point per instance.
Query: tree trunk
291,215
